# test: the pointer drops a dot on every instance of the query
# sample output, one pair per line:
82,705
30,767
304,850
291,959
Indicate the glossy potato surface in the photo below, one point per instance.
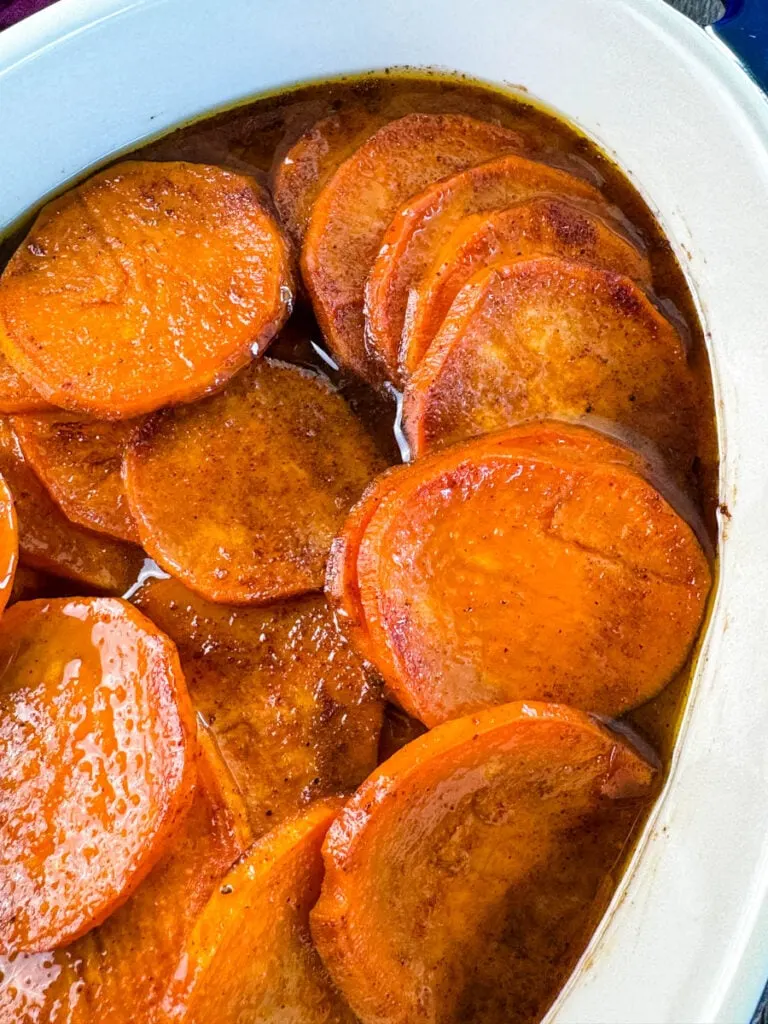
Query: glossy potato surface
241,494
342,584
544,226
422,226
295,712
351,213
148,284
80,462
97,749
464,876
117,973
493,572
49,541
9,544
250,956
551,337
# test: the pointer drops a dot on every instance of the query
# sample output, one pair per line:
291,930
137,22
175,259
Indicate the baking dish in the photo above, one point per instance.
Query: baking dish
686,938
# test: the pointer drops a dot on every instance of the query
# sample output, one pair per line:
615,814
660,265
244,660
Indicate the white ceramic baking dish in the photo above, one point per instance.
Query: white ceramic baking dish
686,939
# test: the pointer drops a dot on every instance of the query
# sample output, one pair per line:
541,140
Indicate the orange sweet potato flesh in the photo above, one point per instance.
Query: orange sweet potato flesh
294,710
241,494
97,747
496,572
419,231
50,542
119,971
342,586
80,463
550,337
539,227
9,544
149,284
250,956
351,214
463,879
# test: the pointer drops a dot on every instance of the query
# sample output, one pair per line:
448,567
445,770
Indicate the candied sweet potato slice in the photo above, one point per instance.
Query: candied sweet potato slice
241,494
250,956
497,572
9,544
148,284
544,226
50,542
550,337
97,744
351,214
294,710
342,585
80,463
119,971
463,878
298,178
423,226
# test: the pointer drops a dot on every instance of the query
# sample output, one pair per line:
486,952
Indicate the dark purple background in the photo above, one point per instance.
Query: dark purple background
15,10
703,11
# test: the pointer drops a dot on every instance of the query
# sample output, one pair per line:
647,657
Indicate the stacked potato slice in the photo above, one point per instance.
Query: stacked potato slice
220,839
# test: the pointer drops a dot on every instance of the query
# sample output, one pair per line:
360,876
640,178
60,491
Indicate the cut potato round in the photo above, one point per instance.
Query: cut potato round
50,542
118,972
351,214
9,544
419,231
149,284
550,337
544,226
496,572
463,877
240,495
80,463
342,585
295,711
314,157
250,956
97,747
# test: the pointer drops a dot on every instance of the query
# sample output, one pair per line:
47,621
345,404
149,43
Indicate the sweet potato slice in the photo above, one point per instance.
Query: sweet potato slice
80,463
50,542
496,572
314,157
463,879
97,743
342,585
240,495
295,712
420,230
149,284
551,337
118,972
539,227
250,956
9,544
351,214
16,394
